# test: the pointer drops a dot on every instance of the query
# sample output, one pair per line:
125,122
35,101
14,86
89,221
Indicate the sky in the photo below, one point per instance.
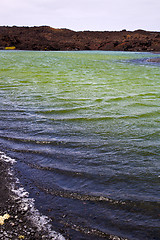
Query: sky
80,15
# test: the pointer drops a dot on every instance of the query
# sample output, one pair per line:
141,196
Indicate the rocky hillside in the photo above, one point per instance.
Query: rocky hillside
47,38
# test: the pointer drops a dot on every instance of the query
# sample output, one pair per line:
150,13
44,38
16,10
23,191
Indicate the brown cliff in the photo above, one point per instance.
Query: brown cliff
47,38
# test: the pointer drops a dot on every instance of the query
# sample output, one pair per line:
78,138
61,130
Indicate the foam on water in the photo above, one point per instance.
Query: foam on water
5,158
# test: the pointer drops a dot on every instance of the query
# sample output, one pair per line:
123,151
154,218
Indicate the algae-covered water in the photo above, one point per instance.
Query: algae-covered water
84,128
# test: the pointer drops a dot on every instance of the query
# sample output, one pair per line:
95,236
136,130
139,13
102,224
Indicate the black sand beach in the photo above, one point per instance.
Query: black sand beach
20,224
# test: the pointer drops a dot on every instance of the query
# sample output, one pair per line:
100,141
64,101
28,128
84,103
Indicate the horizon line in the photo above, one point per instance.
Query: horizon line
86,30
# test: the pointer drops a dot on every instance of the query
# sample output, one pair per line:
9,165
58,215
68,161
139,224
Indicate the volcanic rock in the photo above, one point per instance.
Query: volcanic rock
47,38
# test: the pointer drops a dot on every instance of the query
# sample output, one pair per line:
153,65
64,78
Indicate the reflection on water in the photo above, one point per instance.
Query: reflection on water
84,128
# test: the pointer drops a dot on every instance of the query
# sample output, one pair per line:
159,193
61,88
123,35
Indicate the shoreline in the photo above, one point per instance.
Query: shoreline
83,50
24,221
154,60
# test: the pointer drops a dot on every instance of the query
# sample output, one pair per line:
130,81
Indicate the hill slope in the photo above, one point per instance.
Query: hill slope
47,38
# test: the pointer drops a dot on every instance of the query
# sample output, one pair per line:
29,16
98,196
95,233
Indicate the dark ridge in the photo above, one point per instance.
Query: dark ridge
47,38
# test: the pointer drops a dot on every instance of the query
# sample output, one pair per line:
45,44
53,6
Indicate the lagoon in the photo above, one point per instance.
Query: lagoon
84,130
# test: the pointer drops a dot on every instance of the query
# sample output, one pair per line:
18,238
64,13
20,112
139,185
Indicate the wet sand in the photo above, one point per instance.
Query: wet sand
19,225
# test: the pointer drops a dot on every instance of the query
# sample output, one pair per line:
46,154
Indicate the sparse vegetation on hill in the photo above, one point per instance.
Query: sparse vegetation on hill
47,38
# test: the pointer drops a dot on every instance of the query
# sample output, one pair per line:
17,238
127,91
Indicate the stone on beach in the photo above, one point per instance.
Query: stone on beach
3,218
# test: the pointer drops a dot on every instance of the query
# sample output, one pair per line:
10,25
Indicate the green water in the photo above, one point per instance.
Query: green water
84,126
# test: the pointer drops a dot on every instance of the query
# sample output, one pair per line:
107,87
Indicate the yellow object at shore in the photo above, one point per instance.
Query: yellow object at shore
21,237
10,48
4,217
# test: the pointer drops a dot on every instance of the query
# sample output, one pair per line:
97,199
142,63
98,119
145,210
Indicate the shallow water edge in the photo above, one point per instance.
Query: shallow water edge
24,221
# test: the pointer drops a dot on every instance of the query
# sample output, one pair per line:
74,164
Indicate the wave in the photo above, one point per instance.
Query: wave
42,222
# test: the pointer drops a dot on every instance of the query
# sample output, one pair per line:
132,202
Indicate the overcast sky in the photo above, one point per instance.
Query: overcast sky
82,14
